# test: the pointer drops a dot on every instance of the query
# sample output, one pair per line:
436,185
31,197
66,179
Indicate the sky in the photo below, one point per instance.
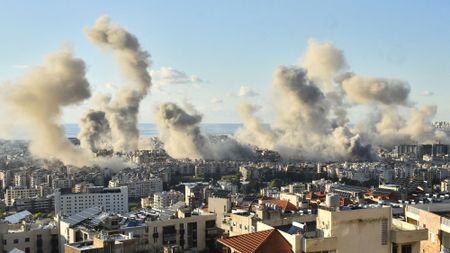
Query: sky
213,54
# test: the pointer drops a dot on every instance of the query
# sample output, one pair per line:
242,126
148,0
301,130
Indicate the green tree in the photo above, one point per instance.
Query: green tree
275,183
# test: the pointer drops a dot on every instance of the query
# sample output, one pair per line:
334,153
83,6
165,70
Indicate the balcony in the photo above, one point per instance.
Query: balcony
402,232
319,244
445,224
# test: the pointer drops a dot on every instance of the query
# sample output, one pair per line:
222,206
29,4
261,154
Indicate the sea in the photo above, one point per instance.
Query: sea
151,130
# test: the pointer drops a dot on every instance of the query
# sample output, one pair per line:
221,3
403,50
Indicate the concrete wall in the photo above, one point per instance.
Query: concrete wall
22,241
356,230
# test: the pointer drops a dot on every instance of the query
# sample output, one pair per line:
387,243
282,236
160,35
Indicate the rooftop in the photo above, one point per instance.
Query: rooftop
258,242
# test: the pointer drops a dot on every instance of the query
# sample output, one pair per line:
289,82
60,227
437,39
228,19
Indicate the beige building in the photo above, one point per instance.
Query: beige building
244,222
369,230
361,230
445,185
20,193
221,206
180,230
436,218
117,243
36,237
295,199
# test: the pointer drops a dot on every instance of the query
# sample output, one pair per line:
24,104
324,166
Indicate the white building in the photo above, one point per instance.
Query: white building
138,189
20,180
109,199
166,199
4,179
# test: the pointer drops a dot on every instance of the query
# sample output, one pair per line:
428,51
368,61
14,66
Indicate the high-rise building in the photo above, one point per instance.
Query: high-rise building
20,180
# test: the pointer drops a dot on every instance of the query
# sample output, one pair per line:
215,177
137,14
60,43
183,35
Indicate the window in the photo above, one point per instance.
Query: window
27,250
406,248
394,248
27,239
16,241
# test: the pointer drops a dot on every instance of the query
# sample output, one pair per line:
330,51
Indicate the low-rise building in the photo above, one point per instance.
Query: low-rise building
31,237
45,205
104,243
151,230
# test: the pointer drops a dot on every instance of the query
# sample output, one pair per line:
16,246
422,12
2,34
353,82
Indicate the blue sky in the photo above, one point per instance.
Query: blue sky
229,44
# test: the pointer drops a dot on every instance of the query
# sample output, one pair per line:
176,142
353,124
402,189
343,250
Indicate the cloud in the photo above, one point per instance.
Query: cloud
245,91
217,101
426,93
169,75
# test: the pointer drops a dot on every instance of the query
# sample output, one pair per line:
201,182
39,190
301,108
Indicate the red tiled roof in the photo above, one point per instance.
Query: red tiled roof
266,241
283,204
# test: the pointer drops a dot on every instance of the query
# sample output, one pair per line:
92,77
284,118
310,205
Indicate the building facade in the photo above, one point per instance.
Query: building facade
19,193
109,199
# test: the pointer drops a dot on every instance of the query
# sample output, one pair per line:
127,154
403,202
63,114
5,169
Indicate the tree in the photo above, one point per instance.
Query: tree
275,183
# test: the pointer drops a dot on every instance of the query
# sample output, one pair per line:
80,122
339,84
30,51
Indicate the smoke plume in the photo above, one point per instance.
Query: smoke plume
95,132
312,101
183,138
302,127
323,61
122,111
37,100
254,130
365,90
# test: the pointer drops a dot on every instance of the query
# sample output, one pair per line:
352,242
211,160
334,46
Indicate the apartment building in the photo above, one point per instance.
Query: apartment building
19,193
140,188
152,231
109,199
166,199
355,230
436,218
36,237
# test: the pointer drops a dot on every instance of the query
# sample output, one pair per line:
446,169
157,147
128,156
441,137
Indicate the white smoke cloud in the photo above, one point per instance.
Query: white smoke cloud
36,100
323,62
183,138
122,111
311,103
364,90
302,127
